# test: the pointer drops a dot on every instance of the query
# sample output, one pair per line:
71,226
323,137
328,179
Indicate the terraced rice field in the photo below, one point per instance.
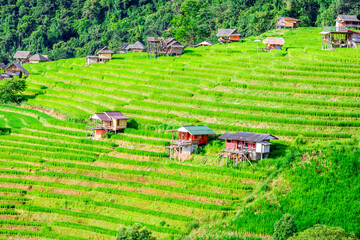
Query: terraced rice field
57,183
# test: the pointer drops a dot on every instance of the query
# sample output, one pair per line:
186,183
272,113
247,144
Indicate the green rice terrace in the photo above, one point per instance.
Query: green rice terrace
58,183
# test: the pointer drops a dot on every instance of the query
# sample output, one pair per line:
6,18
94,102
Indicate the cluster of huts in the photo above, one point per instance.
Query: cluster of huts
240,146
25,57
346,33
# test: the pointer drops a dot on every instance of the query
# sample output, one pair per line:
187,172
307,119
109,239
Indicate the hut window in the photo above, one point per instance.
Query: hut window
228,141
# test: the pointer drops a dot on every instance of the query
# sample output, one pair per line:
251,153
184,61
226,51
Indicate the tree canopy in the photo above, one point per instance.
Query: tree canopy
65,28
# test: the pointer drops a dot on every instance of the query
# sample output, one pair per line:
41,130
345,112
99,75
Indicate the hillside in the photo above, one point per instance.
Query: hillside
58,184
65,28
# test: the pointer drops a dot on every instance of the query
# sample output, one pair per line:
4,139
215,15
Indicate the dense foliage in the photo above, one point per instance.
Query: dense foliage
323,232
10,89
319,184
284,228
66,28
135,232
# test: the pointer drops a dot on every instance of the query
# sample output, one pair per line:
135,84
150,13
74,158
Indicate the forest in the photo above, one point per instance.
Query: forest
66,28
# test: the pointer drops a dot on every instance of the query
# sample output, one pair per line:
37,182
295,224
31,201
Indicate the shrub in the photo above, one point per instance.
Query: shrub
192,225
284,228
135,232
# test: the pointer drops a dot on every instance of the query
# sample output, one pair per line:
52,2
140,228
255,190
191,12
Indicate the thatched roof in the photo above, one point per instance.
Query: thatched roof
207,43
247,136
105,50
19,67
22,54
38,57
274,41
347,18
227,33
3,66
137,45
172,42
289,19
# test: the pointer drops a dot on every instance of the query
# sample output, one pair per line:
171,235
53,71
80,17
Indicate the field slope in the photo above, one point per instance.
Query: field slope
57,183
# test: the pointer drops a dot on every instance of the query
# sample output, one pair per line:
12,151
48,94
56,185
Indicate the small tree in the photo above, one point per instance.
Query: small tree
135,232
323,232
10,89
284,228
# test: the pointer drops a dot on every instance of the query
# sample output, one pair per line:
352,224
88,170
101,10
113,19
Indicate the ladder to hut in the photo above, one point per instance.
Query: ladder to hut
155,46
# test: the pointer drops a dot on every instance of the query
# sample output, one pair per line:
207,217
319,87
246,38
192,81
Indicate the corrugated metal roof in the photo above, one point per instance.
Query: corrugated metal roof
116,115
348,18
227,33
197,130
247,136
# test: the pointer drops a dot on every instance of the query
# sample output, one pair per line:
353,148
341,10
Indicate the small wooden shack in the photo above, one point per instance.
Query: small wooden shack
247,145
22,57
91,59
16,70
190,138
274,43
347,21
136,47
122,48
105,54
173,47
228,35
37,57
287,22
107,121
204,44
333,38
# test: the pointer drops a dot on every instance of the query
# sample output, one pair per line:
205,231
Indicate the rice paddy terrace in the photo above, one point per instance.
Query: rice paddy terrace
56,183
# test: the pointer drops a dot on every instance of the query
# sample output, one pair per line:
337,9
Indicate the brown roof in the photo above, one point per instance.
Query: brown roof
21,68
22,54
105,50
290,19
3,66
172,42
274,41
38,57
348,18
227,33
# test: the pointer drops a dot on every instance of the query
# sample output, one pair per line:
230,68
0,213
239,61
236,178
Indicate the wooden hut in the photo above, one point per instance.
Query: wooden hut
190,138
287,22
173,47
122,48
136,47
247,145
274,43
204,44
105,54
91,59
347,21
36,58
22,57
155,46
15,69
333,37
107,121
228,35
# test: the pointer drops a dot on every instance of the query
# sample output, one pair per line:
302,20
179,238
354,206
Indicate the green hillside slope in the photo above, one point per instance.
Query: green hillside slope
55,183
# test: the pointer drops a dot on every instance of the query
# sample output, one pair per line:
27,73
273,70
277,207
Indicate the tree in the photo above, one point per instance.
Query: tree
284,228
10,89
323,232
135,232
